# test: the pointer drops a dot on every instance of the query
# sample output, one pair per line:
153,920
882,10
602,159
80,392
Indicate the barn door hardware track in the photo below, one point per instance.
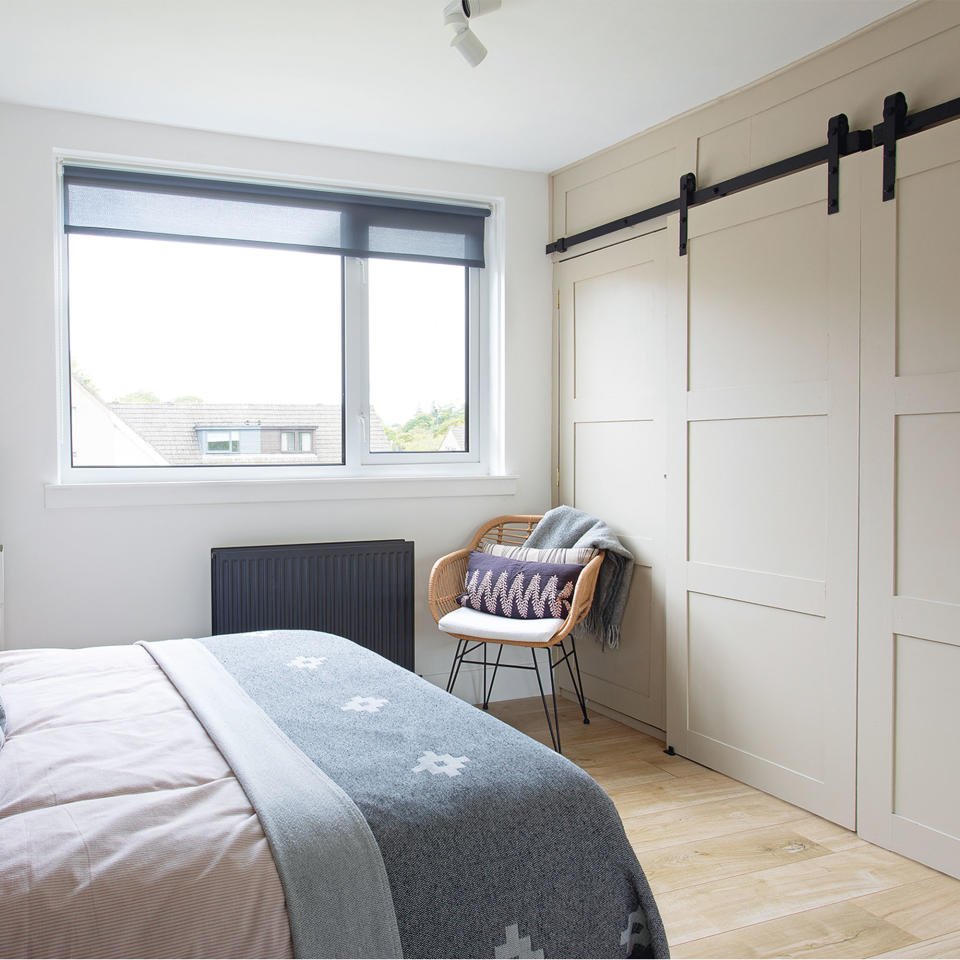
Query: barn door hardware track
688,189
841,142
885,134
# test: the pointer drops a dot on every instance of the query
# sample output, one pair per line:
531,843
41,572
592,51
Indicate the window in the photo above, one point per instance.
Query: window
222,441
224,325
418,365
296,441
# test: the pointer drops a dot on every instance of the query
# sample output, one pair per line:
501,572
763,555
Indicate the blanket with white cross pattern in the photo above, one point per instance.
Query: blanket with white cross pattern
493,845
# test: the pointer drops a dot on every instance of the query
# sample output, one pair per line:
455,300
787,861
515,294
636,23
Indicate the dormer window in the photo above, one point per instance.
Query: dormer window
222,441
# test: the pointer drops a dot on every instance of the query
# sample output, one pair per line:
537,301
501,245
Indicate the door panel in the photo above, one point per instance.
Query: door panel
763,434
612,329
928,523
751,282
928,335
627,679
927,720
634,446
742,473
772,720
909,766
615,308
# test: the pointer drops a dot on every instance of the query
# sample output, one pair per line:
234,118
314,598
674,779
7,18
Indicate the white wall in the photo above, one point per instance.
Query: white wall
81,575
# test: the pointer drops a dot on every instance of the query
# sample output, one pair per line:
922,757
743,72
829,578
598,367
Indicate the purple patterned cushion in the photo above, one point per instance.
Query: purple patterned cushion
521,589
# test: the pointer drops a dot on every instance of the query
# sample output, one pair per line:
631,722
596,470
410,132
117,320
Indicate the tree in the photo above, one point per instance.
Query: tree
138,396
82,378
426,430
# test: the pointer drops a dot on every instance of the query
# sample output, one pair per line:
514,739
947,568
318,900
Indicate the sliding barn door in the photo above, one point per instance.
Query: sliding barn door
909,774
762,598
612,329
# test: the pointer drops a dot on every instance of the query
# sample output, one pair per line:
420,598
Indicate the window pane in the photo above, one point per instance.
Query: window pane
181,352
223,441
418,356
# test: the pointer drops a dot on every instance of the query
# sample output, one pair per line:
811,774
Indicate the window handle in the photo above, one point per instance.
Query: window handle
362,266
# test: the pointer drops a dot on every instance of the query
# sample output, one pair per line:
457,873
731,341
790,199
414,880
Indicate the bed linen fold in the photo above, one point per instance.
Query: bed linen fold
335,884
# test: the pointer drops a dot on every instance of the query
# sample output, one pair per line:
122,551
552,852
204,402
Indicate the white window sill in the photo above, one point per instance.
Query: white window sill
57,495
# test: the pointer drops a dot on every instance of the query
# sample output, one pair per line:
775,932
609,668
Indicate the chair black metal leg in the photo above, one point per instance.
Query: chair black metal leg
459,664
489,690
453,666
543,697
579,684
573,679
484,698
553,693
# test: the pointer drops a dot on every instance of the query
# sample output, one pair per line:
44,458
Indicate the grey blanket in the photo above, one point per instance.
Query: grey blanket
568,527
342,910
494,845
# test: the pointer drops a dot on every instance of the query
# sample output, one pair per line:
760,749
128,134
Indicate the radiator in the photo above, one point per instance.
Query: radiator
361,590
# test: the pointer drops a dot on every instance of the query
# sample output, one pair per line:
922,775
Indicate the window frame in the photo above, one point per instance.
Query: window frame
483,363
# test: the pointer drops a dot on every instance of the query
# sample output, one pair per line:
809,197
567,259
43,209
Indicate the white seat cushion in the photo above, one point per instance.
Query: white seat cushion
485,626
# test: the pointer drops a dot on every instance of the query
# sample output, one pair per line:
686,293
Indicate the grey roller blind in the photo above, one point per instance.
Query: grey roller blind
124,203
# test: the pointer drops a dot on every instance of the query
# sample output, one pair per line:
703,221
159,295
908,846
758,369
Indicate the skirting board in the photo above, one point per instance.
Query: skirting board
510,685
517,685
646,728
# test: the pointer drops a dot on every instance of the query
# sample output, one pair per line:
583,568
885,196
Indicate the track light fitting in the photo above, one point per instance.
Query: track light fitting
467,43
457,14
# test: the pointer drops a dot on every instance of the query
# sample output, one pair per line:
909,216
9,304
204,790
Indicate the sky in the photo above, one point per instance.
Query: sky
232,324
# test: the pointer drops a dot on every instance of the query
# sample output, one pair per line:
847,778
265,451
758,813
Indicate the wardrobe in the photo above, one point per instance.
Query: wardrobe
771,421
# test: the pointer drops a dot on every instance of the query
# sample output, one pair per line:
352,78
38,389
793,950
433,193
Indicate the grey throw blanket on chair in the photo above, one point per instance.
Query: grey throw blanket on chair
567,527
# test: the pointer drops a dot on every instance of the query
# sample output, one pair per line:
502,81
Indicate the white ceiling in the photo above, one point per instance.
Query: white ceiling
563,78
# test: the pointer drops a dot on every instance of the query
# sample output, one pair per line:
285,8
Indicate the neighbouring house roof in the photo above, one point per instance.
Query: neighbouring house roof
171,429
100,437
453,439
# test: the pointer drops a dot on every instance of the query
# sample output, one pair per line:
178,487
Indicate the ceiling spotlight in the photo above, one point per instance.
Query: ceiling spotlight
467,43
457,14
477,8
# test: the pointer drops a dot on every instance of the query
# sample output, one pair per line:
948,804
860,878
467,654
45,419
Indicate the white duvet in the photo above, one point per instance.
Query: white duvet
123,832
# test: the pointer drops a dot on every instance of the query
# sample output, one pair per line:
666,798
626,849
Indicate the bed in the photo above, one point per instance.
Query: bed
289,793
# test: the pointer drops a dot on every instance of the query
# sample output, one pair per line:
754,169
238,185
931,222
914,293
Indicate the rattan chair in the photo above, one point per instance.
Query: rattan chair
447,584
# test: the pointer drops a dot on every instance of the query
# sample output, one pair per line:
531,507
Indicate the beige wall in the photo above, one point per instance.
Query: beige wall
916,50
811,360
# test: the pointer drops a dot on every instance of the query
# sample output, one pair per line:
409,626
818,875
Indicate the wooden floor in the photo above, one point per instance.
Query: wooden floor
738,873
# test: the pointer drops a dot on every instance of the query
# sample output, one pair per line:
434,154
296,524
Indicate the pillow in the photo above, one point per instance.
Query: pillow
521,589
580,555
